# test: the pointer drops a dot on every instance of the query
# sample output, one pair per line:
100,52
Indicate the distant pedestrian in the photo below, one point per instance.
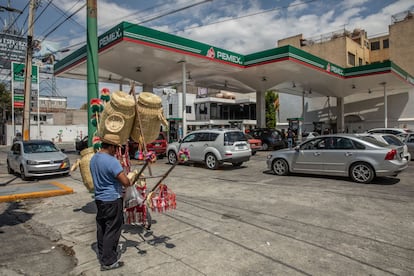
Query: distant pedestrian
290,137
108,178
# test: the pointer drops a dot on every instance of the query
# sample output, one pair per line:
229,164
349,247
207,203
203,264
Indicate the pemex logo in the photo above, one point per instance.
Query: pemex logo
211,53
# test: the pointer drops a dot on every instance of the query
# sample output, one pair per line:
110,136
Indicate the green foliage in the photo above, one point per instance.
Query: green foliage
270,109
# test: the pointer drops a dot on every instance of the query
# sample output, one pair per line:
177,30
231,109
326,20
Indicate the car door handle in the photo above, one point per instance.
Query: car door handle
316,153
348,153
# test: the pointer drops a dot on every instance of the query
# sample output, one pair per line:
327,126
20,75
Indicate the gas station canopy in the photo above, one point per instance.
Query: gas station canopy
153,58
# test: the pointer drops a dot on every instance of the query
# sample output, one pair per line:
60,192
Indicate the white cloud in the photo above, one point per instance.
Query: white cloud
247,34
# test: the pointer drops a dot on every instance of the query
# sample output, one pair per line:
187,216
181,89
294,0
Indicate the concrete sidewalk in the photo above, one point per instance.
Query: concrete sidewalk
13,189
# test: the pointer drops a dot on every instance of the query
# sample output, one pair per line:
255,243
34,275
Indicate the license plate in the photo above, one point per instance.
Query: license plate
156,145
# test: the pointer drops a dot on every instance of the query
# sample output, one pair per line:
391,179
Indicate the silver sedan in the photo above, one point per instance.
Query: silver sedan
37,158
360,158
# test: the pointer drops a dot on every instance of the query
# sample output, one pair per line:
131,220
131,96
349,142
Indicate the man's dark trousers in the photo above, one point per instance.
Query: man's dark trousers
109,220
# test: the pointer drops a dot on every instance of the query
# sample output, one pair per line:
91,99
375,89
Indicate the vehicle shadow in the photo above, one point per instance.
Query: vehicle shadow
38,178
224,167
376,181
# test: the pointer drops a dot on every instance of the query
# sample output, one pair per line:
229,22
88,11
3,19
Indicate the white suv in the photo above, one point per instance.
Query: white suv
395,131
212,147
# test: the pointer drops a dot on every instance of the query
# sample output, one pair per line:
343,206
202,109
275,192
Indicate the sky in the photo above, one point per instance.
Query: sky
241,26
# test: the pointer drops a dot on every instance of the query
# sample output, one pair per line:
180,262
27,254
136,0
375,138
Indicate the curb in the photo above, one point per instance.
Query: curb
63,190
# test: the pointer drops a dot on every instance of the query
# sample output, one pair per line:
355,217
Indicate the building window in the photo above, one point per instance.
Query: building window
360,61
385,43
170,109
375,45
351,59
188,109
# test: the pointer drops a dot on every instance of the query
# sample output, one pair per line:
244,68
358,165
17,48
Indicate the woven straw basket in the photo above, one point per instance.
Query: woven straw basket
148,119
118,116
86,156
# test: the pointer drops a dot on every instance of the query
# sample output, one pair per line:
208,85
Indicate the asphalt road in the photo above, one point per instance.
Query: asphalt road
247,221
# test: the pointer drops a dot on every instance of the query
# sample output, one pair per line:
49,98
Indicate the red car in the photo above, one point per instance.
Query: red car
255,144
159,146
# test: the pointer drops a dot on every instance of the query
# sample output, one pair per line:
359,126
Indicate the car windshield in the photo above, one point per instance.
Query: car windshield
39,147
248,136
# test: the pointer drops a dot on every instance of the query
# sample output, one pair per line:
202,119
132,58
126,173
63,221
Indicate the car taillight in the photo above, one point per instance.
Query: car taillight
391,154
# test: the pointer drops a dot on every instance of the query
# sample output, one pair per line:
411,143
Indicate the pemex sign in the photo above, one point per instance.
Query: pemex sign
18,70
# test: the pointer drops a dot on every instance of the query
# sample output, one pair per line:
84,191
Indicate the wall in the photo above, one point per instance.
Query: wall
57,133
381,54
402,44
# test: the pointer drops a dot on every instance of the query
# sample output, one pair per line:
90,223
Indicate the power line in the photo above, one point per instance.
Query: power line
248,15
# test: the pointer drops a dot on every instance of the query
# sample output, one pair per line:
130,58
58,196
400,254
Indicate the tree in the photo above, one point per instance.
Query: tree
5,103
272,105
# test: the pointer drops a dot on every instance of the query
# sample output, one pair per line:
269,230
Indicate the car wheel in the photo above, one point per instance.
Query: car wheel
280,167
22,173
362,173
172,157
265,146
9,169
211,161
238,164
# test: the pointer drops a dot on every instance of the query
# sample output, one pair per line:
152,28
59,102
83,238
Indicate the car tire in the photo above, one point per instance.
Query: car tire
211,161
265,146
238,164
9,169
172,157
22,173
362,172
280,167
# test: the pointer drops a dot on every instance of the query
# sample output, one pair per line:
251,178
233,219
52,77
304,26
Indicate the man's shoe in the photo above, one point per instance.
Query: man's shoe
112,266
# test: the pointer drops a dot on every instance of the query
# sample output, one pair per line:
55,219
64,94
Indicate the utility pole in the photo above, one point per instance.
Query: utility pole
28,75
92,60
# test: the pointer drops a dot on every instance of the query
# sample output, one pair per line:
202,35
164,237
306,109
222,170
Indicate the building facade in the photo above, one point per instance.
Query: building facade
354,48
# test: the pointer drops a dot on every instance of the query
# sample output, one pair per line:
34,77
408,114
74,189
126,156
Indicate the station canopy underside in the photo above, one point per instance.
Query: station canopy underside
129,52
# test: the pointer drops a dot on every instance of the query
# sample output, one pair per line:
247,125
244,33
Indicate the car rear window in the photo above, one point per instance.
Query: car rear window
392,140
234,136
372,141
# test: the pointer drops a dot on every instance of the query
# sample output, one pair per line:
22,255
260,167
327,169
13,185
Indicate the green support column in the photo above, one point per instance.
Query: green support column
92,61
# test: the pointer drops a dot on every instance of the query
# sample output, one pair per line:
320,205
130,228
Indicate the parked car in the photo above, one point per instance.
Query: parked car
361,158
389,139
81,144
395,131
159,146
35,158
212,147
271,138
409,141
255,144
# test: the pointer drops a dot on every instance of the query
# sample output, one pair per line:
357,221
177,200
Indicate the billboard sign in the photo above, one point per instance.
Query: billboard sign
18,83
12,48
